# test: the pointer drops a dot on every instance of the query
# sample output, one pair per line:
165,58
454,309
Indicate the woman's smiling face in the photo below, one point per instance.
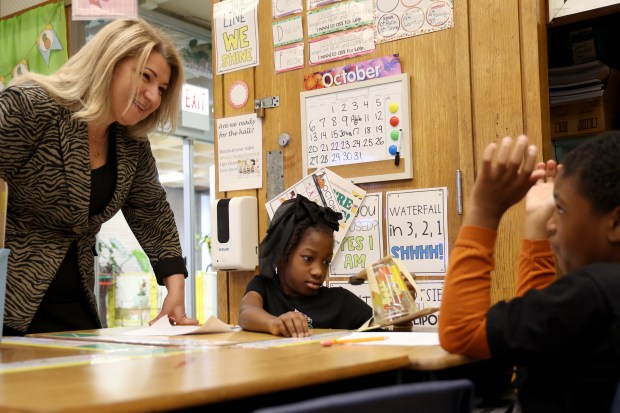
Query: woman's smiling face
153,84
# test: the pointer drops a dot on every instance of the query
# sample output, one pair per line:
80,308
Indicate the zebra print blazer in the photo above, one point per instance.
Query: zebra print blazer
44,157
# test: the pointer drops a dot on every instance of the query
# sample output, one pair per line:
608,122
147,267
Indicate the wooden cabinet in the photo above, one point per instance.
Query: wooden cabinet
470,85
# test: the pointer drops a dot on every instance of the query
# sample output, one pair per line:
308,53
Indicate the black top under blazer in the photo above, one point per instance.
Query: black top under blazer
44,157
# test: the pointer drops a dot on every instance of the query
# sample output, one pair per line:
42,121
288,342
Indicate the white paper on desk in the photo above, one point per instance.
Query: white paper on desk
162,327
396,338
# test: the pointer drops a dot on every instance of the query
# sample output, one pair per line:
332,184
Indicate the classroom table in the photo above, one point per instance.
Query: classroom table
224,378
422,358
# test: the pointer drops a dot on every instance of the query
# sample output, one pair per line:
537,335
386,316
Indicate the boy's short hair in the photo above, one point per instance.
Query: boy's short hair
595,164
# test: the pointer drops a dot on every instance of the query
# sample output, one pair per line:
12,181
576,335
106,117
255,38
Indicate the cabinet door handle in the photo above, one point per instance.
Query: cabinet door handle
459,193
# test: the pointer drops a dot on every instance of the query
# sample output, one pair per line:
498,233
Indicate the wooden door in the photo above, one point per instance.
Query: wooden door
470,85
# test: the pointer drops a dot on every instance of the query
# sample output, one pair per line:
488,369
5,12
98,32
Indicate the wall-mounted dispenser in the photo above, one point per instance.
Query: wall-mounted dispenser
234,225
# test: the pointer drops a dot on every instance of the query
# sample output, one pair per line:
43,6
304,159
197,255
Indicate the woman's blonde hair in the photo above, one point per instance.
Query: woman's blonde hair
83,84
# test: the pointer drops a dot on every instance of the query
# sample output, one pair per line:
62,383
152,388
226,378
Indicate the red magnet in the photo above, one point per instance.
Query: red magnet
394,120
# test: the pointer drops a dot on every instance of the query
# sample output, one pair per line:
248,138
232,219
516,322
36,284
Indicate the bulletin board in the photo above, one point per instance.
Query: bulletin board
361,131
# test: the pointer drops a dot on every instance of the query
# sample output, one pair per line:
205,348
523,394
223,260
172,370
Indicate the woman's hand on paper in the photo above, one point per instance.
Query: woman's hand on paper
174,303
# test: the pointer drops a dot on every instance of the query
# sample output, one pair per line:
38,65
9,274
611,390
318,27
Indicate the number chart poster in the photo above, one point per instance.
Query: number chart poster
417,231
363,243
352,126
398,19
235,35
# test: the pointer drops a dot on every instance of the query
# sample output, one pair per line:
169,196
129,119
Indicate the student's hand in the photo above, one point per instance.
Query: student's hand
291,324
174,303
502,182
539,203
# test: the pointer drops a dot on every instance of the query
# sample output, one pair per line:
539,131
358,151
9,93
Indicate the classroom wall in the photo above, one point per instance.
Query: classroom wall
471,85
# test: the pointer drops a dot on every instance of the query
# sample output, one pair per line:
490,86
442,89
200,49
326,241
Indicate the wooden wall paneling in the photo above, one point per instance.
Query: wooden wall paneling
218,112
264,83
468,88
231,285
502,95
467,153
439,108
497,109
535,74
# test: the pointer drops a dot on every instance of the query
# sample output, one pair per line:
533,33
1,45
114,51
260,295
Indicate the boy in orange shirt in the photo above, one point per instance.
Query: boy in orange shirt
564,333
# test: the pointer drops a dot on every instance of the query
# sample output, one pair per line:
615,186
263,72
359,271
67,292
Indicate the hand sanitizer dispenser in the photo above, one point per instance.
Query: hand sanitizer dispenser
234,225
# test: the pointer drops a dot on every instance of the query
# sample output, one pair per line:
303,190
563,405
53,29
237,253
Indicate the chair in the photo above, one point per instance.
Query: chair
449,396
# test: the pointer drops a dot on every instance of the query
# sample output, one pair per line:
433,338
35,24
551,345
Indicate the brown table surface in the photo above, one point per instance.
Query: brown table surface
423,358
193,376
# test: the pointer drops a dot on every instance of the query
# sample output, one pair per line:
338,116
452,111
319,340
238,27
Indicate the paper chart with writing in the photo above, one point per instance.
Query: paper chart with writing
287,31
417,229
280,8
288,35
363,243
240,152
342,45
313,4
329,190
341,16
288,58
106,9
235,35
398,19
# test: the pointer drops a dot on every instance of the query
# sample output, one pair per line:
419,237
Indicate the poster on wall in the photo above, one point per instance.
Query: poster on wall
342,45
280,8
327,189
396,19
417,229
240,153
363,243
104,9
339,17
432,290
235,32
46,25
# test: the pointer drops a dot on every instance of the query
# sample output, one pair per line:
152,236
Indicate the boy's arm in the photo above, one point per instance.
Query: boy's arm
536,263
501,183
536,266
467,293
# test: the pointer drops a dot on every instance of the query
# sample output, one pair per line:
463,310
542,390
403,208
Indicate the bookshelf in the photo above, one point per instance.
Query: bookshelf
583,34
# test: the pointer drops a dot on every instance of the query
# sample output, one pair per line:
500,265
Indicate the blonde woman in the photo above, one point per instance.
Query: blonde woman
74,153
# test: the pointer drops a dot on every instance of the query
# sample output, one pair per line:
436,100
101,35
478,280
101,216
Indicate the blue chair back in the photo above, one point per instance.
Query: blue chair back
615,407
449,396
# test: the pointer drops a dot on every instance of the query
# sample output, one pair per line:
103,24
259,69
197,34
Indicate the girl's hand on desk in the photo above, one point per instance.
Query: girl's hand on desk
291,324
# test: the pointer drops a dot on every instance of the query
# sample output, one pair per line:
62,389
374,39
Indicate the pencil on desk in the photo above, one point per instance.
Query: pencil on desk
352,340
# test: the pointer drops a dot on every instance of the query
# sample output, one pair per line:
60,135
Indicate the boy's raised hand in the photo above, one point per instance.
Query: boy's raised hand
502,181
539,203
